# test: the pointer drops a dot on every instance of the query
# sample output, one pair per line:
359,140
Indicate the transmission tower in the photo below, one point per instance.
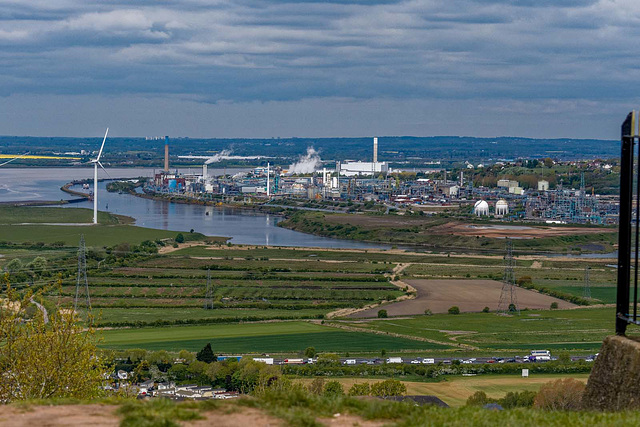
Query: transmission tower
208,298
82,281
508,300
586,292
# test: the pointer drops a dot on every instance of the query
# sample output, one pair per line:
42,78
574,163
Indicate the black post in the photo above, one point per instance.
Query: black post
624,233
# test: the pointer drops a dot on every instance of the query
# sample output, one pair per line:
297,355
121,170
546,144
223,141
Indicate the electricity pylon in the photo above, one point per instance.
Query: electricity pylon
208,298
508,299
586,292
82,281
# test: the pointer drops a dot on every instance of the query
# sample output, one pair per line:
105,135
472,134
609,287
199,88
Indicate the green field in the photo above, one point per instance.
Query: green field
259,338
578,329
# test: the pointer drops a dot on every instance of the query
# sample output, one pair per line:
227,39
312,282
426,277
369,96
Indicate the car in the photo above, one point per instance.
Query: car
511,360
491,361
466,362
589,359
415,362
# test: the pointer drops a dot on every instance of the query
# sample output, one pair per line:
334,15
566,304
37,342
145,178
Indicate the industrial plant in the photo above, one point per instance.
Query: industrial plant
312,178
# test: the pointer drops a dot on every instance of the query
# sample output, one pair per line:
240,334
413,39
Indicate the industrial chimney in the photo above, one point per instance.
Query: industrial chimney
375,150
166,154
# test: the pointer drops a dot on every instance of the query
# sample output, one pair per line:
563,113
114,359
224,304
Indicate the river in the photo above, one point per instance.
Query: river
242,226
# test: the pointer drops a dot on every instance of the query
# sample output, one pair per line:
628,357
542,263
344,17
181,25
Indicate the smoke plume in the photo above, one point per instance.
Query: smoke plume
307,163
220,156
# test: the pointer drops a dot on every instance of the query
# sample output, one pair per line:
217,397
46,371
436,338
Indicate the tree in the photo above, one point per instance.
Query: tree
383,352
186,356
310,352
388,388
328,359
14,265
454,310
179,238
333,388
40,360
564,357
363,389
553,306
382,314
206,354
486,310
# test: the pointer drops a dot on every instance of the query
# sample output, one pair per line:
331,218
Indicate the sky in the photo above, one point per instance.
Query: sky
269,68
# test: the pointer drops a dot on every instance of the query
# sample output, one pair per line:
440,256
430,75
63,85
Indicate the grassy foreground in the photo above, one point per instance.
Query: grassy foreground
297,408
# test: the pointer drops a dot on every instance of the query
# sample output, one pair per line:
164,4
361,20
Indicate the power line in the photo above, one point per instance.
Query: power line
208,303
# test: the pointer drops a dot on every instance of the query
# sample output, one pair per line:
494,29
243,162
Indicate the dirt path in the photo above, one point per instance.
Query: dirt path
41,307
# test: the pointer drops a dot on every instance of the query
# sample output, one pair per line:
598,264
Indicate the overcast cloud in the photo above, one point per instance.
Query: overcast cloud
540,68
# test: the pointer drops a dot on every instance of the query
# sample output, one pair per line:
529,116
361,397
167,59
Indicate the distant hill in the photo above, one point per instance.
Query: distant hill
391,148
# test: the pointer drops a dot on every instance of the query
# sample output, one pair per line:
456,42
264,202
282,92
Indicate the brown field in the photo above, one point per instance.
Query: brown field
512,231
470,295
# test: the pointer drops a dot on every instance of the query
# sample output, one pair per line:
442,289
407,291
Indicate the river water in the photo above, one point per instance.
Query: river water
242,226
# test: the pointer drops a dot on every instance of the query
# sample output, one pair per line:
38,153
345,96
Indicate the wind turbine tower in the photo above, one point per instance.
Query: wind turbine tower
96,162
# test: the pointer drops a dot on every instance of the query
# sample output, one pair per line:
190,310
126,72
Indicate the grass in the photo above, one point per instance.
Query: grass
258,338
580,329
19,215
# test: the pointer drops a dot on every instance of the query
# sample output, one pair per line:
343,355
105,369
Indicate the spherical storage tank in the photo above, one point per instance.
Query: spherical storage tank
502,207
481,208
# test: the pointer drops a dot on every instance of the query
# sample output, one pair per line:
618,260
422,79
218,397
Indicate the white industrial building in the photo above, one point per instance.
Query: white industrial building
365,168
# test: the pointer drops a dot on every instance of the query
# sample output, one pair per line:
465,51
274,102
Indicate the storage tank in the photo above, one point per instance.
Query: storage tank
481,208
502,207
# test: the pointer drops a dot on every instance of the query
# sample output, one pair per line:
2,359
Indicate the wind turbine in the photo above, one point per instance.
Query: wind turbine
96,162
15,158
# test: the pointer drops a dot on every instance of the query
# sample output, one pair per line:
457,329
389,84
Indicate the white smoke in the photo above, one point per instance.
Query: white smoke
220,156
307,163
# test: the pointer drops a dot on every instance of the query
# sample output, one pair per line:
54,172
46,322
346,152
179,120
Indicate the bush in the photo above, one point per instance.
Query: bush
479,398
454,310
485,310
382,314
388,388
333,388
316,386
428,312
560,395
363,389
179,238
553,306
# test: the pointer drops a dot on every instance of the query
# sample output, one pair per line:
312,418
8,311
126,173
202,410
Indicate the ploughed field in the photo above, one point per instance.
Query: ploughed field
468,295
173,290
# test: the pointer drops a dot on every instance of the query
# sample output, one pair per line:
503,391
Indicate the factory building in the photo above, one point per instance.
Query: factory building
365,168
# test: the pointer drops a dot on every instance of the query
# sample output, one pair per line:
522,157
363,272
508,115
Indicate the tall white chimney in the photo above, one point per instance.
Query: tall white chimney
205,172
375,149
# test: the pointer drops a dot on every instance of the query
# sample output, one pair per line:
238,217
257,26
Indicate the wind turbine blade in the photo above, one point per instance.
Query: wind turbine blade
15,158
105,171
102,146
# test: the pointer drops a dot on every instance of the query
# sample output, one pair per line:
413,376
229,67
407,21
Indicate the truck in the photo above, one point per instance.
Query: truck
267,360
540,355
294,361
428,361
394,360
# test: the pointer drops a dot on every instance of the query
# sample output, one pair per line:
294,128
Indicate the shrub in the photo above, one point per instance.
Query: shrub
560,395
316,386
454,310
485,310
333,388
363,389
179,238
428,312
479,398
553,306
310,352
388,388
382,314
